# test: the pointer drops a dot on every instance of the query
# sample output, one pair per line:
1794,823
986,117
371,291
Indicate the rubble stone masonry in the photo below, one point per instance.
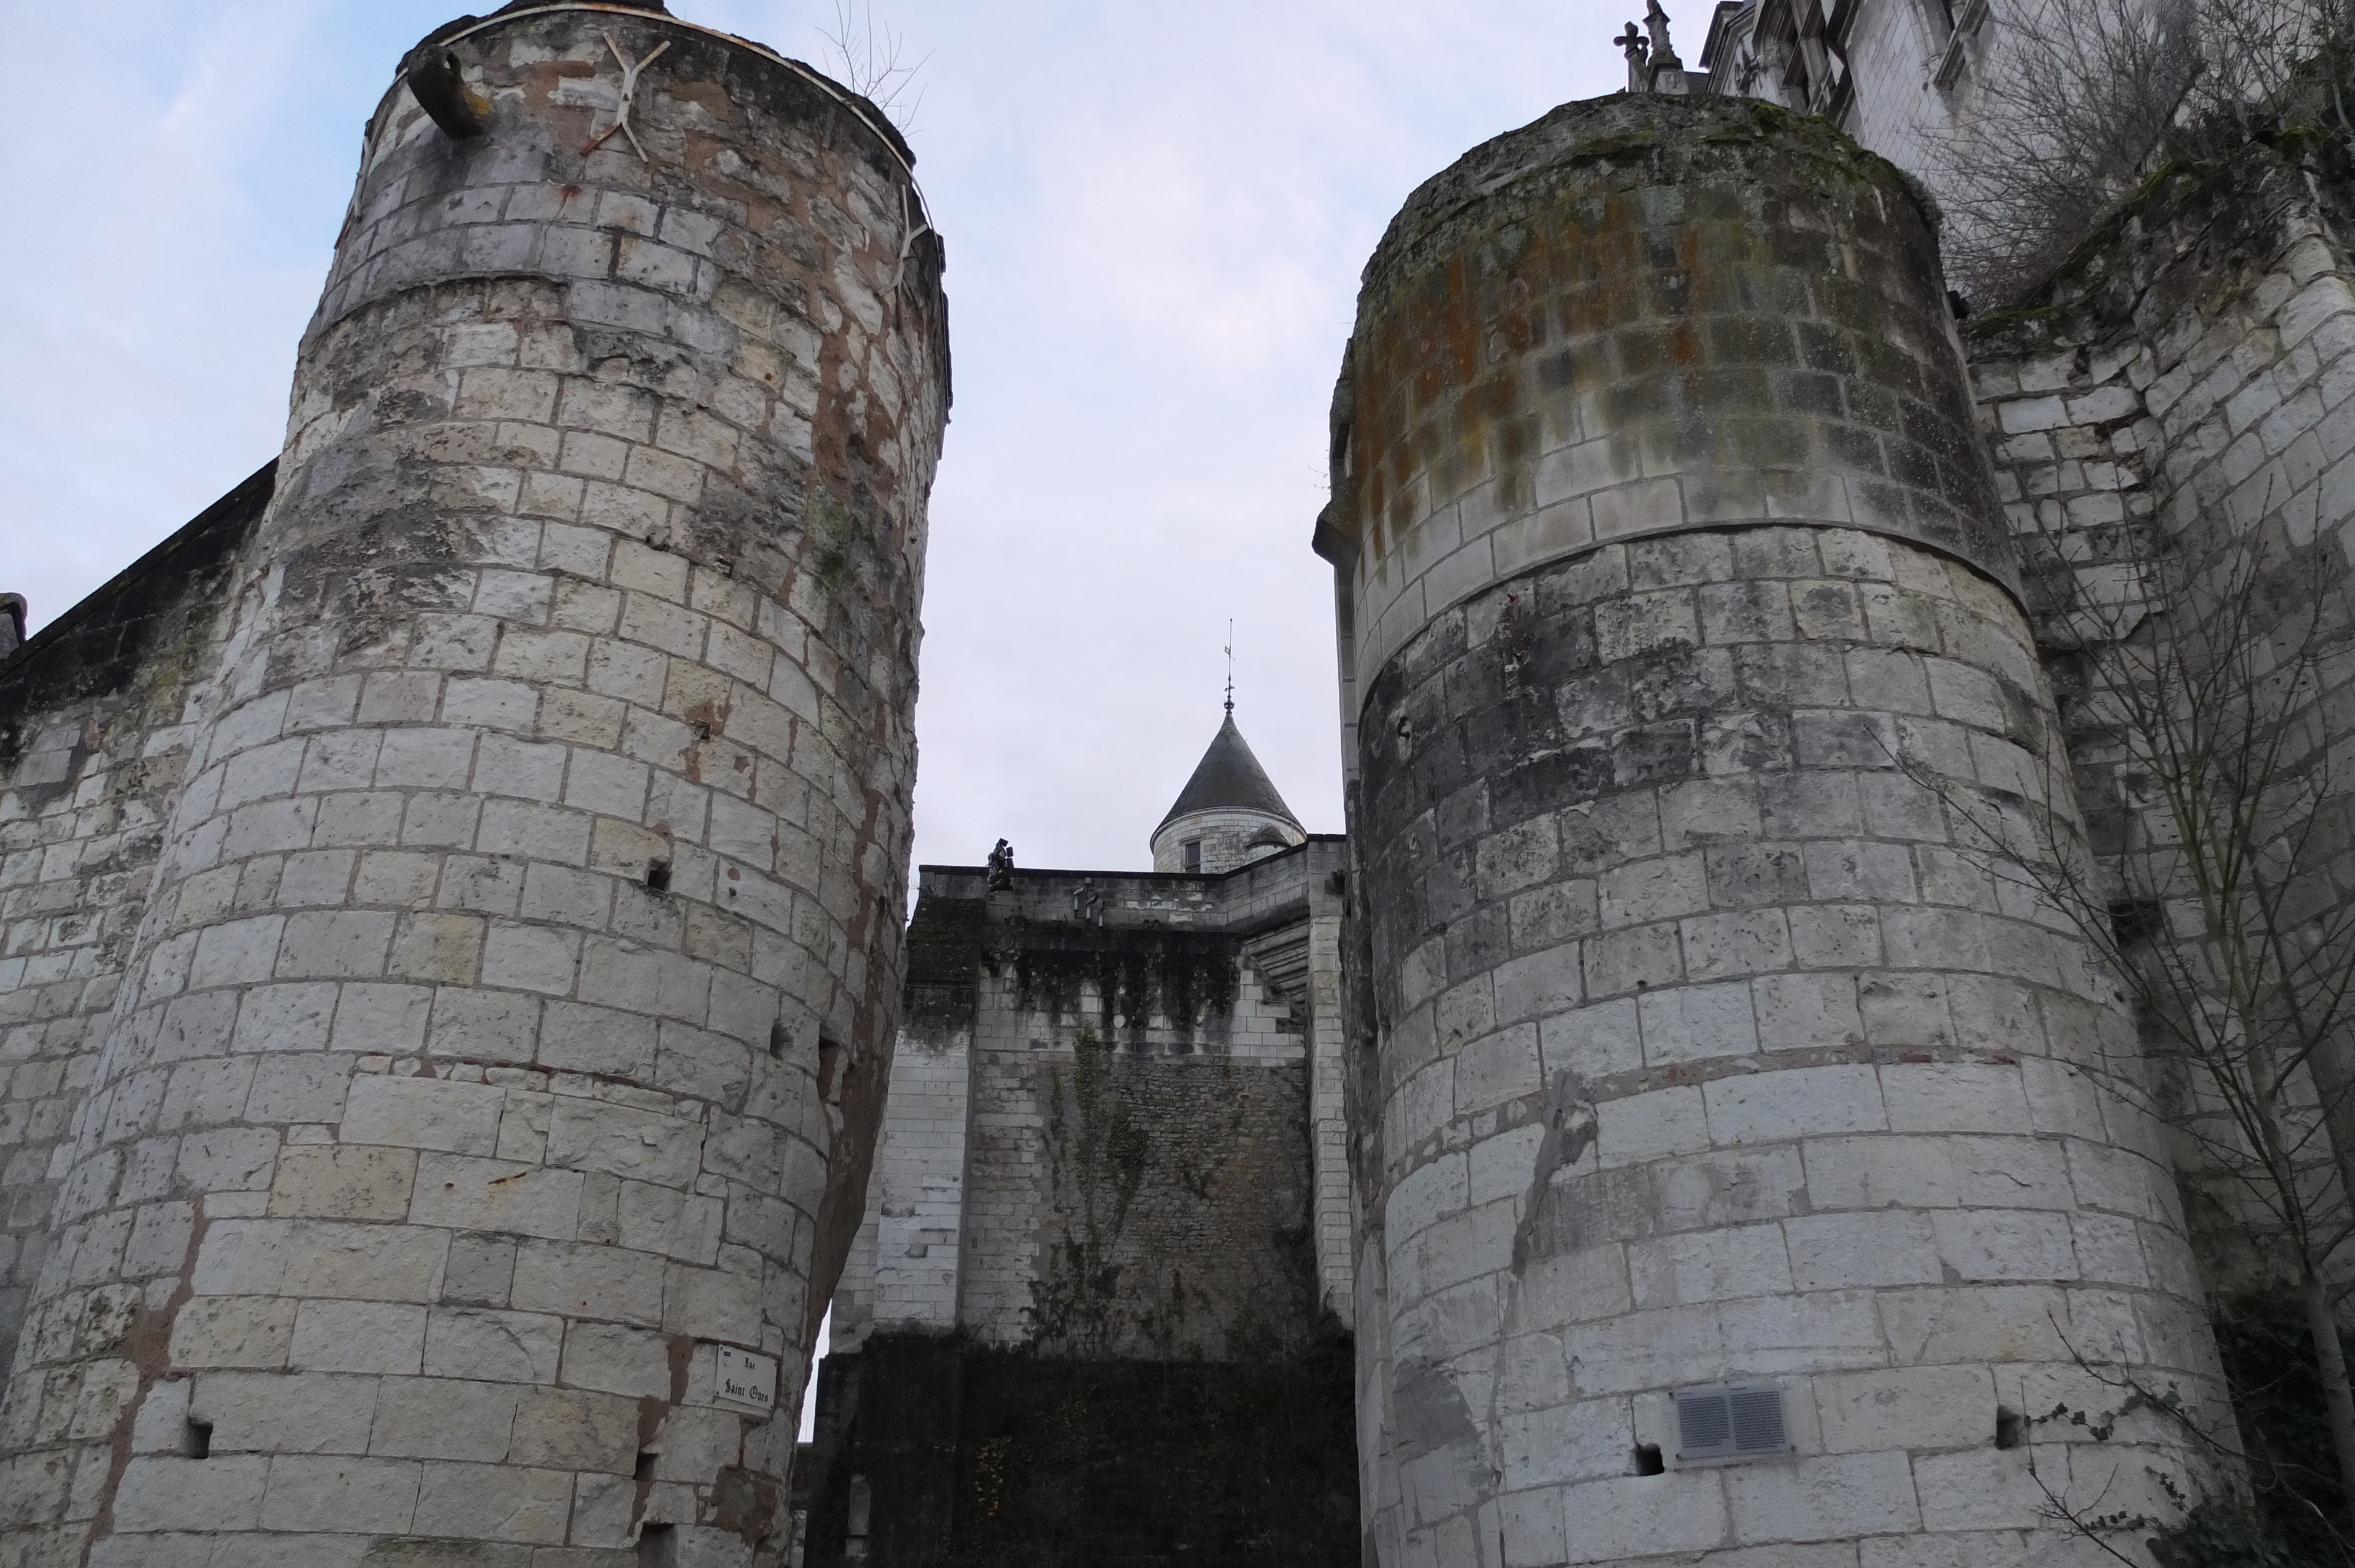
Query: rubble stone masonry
1706,1051
485,1112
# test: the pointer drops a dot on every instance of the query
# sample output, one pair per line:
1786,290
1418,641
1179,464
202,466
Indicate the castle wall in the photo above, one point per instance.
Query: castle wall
1089,1310
1055,1127
916,1196
2189,386
544,831
1707,1049
94,749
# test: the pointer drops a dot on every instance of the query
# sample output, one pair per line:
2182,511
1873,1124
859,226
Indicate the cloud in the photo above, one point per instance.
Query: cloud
150,344
1156,217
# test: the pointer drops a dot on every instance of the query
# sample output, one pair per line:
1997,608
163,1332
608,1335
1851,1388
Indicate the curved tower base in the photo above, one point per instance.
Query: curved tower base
487,1111
1756,1162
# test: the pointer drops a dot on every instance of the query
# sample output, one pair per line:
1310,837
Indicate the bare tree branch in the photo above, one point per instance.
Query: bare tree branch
869,60
2087,99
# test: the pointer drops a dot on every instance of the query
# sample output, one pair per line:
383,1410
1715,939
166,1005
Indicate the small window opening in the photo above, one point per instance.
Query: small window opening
829,1062
2007,1427
658,876
658,1546
1190,855
196,1443
645,1467
1648,1461
778,1040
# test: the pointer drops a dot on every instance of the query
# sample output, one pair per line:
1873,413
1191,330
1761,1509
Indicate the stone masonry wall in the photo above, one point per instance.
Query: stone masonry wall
543,839
1708,1051
1228,838
1725,1059
1086,1317
94,749
980,1196
2187,383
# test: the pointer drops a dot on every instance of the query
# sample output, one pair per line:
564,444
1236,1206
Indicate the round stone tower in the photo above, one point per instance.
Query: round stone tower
488,1108
1752,1167
1228,814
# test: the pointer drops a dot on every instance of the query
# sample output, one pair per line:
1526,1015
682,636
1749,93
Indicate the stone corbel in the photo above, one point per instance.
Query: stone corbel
435,81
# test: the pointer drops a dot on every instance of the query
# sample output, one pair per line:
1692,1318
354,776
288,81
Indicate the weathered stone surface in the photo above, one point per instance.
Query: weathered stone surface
460,910
1662,823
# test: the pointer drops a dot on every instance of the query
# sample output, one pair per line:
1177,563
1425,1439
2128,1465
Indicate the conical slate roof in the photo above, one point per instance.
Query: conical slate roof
1228,778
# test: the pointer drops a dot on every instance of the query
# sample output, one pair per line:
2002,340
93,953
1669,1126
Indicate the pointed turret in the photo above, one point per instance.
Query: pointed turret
1228,814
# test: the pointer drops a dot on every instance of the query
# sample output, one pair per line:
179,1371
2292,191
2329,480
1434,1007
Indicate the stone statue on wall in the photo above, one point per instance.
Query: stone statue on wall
1001,867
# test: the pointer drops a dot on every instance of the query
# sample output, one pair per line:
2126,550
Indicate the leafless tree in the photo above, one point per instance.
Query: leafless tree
2079,100
2211,705
870,59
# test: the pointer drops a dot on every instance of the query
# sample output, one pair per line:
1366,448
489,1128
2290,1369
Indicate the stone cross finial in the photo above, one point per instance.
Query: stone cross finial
1631,44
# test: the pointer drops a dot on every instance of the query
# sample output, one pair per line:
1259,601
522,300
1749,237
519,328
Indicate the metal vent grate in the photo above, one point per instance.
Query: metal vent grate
1704,1423
1757,1418
1730,1419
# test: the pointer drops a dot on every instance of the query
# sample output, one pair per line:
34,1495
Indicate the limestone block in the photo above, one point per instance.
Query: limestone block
1985,1489
233,1331
1823,1499
1641,1516
1909,1407
577,1280
497,1502
318,1257
435,1418
591,1136
1688,1024
576,1430
493,1346
1801,1102
616,1360
423,1113
158,1493
358,1337
1709,1265
345,1182
347,1494
494,1195
1846,1251
311,1412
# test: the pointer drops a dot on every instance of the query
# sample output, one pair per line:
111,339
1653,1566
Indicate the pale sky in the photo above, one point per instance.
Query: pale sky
1155,215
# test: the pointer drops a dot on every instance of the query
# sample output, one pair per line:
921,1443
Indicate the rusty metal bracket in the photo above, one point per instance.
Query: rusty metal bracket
629,93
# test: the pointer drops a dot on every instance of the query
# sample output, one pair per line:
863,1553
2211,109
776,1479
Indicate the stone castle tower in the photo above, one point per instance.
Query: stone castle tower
451,974
1228,814
1730,1172
482,1111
